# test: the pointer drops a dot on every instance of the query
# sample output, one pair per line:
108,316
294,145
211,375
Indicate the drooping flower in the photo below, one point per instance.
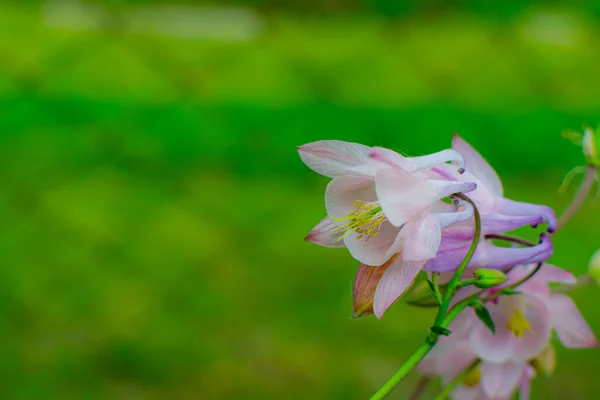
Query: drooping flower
523,324
385,209
498,213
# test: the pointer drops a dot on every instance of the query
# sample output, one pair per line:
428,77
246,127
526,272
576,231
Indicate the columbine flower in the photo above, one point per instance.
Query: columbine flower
523,325
381,205
498,213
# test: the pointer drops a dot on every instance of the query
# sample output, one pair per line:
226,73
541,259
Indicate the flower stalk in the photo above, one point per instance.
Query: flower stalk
441,323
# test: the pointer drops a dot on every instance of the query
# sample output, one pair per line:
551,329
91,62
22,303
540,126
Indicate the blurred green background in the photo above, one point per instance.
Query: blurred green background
154,206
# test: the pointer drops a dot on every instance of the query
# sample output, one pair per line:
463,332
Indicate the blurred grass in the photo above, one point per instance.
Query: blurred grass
154,204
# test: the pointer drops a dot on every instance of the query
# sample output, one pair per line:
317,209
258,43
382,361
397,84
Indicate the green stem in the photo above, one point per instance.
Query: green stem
514,285
441,320
463,265
403,371
456,381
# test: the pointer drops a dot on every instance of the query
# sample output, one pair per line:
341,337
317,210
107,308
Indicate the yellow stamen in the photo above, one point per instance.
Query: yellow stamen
365,219
472,378
518,324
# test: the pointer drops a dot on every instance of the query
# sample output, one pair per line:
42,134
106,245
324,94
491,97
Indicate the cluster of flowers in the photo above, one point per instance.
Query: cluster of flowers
399,216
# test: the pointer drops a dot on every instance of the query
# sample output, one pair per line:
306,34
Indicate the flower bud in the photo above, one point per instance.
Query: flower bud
594,266
421,296
488,278
590,149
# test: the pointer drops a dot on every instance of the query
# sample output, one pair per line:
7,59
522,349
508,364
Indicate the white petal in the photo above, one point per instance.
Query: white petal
478,166
379,249
344,190
322,234
333,157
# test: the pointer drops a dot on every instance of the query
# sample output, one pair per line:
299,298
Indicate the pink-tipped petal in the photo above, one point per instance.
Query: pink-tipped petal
478,166
517,208
571,328
422,238
525,387
499,381
322,234
367,279
333,157
344,190
395,281
378,249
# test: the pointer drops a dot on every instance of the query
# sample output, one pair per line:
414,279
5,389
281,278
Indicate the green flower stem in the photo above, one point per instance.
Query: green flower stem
403,371
441,320
456,381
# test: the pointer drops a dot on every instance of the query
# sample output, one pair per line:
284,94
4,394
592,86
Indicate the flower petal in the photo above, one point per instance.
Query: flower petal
377,250
333,157
478,166
322,235
447,219
571,328
488,255
499,381
344,190
517,208
403,195
395,281
500,223
365,284
422,238
417,164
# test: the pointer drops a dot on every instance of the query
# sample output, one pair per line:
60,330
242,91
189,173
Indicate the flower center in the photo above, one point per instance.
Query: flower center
518,324
472,378
365,219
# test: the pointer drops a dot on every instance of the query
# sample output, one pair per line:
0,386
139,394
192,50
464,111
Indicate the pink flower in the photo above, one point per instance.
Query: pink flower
523,323
499,214
381,204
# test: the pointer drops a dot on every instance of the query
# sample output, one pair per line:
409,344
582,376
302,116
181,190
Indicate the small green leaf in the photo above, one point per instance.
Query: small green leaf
440,331
484,315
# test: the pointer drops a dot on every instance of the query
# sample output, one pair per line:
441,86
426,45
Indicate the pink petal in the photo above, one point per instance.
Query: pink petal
323,236
395,281
378,249
344,190
422,238
499,381
504,346
571,328
403,195
333,157
478,166
516,208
